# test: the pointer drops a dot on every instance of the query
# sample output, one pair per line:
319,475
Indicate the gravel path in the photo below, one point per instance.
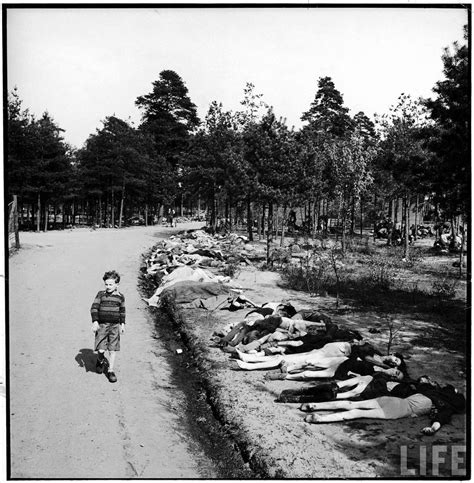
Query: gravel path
66,421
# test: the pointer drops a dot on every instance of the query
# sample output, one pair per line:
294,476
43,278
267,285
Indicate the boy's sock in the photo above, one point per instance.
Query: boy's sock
112,361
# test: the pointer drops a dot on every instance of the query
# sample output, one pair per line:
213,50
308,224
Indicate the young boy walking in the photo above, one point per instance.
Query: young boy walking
108,321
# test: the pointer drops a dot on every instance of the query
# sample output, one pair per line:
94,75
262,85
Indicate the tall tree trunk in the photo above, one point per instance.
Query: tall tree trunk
283,219
315,216
100,211
406,242
249,219
16,227
452,242
33,217
146,214
239,217
415,235
375,216
159,212
46,216
258,220
308,218
395,214
113,209
107,211
213,206
19,211
461,252
229,212
338,220
38,214
122,198
64,208
275,219
343,238
353,203
361,216
390,223
95,216
212,218
269,230
226,209
216,211
262,221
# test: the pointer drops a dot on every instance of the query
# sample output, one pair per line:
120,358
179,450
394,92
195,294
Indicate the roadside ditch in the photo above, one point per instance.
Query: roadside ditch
201,416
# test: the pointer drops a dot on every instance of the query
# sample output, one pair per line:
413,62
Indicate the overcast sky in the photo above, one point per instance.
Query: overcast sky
82,65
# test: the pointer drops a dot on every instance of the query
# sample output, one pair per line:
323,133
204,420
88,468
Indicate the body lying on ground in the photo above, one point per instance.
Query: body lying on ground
355,388
360,387
329,357
340,368
426,398
277,333
258,329
261,361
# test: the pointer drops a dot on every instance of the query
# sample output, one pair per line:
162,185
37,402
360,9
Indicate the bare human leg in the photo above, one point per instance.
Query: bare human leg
347,405
112,355
271,363
345,416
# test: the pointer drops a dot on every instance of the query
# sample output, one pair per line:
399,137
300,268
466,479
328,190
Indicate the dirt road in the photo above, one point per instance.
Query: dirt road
66,421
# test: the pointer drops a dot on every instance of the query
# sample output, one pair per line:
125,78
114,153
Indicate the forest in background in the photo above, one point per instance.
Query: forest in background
239,167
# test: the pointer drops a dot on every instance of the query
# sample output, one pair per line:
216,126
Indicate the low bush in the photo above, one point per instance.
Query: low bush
444,289
307,277
382,273
356,244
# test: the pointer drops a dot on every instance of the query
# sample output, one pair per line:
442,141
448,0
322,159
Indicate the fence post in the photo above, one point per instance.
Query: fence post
13,226
15,222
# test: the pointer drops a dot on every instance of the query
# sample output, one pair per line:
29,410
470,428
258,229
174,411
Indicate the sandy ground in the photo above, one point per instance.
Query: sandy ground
280,444
66,421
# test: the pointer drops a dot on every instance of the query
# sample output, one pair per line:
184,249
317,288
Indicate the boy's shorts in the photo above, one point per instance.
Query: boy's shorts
107,337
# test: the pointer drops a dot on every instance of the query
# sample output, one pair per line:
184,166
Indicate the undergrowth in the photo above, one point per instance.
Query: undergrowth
383,279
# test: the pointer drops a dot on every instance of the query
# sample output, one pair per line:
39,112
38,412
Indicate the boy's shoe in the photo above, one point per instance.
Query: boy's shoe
100,365
111,376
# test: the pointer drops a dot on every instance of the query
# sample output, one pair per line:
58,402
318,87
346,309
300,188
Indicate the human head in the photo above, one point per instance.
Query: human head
111,280
392,360
394,373
356,337
400,363
285,310
360,342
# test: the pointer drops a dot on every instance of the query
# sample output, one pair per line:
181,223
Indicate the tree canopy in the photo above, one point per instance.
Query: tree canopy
249,160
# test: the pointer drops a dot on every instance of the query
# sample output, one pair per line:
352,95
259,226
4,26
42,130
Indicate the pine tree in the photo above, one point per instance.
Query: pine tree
451,138
327,113
169,117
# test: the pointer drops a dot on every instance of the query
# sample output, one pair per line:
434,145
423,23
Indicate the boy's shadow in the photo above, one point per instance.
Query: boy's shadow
87,358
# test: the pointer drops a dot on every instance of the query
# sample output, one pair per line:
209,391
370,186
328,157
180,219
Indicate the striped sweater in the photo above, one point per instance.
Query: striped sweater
108,308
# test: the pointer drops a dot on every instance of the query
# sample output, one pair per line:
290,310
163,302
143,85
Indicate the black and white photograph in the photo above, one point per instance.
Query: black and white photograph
236,241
